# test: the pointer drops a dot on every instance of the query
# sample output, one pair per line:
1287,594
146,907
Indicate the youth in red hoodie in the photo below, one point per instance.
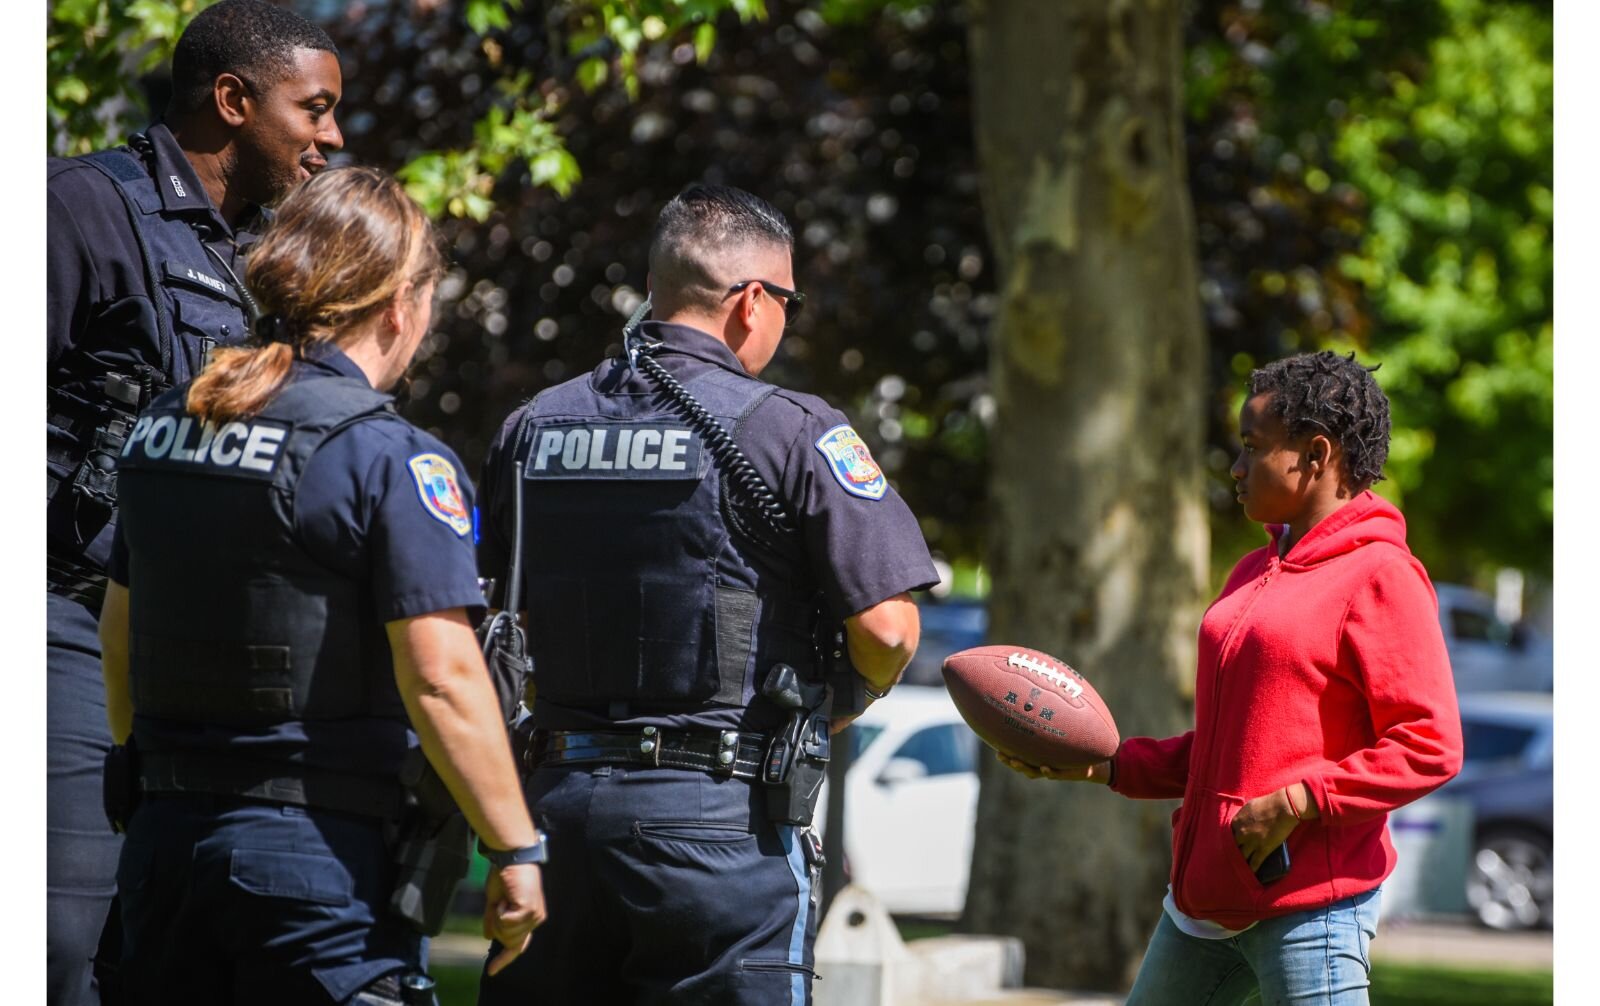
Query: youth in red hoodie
1326,667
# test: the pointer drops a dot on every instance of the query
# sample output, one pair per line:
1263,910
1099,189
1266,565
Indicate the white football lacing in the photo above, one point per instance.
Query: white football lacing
1047,672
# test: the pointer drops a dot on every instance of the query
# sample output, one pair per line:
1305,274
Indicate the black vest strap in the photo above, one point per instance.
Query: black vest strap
126,173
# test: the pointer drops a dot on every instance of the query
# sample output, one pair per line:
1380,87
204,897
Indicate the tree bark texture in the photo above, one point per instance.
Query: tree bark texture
1098,540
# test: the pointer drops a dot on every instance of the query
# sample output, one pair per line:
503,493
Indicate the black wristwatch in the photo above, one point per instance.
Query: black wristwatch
538,852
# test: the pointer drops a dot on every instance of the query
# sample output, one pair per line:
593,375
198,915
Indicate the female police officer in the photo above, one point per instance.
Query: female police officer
289,585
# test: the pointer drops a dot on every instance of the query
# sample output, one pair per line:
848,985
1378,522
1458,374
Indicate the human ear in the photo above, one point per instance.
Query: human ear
1319,453
398,313
748,309
230,95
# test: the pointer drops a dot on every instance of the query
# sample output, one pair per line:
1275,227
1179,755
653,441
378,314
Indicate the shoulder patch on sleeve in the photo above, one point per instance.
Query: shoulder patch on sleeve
851,463
439,491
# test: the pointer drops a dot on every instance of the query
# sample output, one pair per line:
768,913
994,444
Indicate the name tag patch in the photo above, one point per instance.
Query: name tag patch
614,451
440,492
852,464
252,450
187,275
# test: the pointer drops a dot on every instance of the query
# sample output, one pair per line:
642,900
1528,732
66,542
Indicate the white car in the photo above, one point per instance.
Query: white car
1486,654
911,797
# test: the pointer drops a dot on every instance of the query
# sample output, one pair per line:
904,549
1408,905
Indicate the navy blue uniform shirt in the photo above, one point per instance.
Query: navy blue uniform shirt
97,296
358,510
858,550
99,315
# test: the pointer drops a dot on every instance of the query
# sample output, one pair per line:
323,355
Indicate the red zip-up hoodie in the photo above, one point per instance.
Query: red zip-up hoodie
1326,667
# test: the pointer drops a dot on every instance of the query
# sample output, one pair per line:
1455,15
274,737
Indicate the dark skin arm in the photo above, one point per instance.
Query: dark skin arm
1266,822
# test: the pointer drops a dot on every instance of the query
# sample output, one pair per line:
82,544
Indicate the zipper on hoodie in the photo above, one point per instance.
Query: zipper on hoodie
1273,563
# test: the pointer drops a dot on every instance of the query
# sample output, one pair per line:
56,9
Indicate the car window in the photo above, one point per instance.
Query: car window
1493,741
861,737
1478,627
943,750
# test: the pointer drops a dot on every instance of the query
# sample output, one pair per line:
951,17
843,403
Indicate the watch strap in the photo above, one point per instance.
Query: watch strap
538,852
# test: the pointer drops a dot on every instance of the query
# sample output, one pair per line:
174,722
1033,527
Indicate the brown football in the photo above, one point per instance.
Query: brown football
1031,706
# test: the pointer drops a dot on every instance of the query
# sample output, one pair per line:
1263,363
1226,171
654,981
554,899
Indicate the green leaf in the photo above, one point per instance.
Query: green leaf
81,13
591,73
71,91
705,40
484,16
556,168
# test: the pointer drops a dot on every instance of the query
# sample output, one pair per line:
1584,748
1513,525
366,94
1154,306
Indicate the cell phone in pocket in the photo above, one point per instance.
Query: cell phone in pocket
1275,867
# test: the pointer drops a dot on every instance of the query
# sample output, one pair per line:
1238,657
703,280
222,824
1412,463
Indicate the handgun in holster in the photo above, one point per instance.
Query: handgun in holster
797,757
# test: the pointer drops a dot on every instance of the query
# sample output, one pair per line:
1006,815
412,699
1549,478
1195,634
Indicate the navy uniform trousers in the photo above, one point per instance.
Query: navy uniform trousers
253,904
664,886
81,863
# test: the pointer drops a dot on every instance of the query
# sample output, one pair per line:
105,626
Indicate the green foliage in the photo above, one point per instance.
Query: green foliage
96,50
1457,259
461,182
1396,200
605,38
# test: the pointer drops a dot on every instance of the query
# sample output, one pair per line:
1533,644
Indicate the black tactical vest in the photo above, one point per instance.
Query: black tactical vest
636,591
195,308
231,621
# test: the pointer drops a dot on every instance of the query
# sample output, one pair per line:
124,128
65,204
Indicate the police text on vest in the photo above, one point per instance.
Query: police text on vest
249,446
576,449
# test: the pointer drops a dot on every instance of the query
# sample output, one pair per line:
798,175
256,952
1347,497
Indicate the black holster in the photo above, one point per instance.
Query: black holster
119,786
433,848
797,758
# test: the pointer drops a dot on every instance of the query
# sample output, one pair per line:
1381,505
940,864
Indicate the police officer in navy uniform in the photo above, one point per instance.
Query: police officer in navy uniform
144,245
287,619
661,602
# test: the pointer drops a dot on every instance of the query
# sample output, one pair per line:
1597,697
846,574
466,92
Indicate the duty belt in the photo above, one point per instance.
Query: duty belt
726,752
365,796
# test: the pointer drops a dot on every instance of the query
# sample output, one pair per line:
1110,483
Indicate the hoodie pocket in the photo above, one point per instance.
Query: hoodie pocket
1216,879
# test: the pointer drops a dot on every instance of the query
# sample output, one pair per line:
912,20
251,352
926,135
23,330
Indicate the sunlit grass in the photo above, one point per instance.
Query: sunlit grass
1392,985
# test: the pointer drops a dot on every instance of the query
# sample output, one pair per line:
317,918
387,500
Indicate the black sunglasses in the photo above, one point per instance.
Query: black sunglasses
793,300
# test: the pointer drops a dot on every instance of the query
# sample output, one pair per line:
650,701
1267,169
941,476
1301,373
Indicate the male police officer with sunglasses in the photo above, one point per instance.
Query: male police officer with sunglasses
689,534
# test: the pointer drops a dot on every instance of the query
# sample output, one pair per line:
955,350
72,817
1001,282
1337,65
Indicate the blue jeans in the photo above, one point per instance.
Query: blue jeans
1320,956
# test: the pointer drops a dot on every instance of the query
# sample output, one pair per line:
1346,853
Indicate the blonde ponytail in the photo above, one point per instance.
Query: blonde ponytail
239,382
340,248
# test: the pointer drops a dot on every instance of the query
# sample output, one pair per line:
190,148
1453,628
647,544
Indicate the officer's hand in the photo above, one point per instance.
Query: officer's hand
513,908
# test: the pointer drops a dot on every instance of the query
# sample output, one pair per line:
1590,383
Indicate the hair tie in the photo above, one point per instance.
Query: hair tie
271,328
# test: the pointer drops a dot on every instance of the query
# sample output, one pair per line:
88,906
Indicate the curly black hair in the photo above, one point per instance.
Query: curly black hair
1336,396
251,38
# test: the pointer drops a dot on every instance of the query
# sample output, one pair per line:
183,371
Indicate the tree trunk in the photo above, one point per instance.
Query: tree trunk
1098,539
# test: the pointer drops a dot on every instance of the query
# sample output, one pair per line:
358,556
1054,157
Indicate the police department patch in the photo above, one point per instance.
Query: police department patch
441,496
852,463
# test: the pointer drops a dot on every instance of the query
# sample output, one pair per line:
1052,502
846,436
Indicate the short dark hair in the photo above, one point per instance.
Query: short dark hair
1336,396
251,38
699,221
